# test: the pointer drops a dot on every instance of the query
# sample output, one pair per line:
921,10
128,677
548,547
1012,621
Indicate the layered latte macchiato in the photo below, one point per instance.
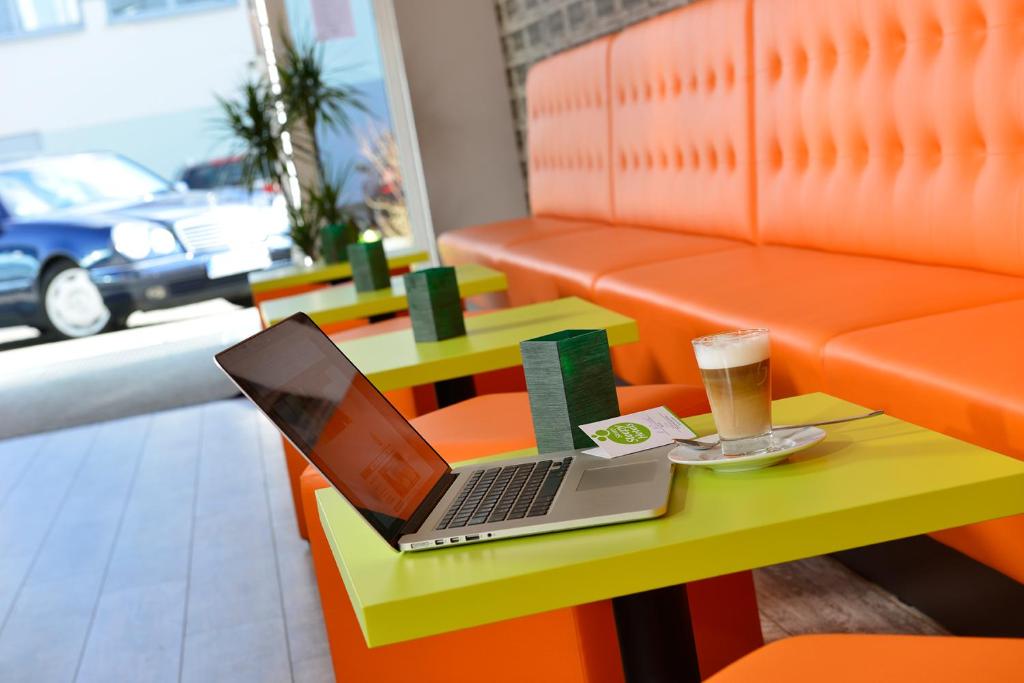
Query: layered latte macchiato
736,369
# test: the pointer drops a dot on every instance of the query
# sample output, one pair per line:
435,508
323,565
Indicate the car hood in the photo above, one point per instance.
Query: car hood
168,209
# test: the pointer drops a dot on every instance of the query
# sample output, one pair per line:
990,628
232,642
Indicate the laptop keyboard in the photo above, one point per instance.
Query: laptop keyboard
501,493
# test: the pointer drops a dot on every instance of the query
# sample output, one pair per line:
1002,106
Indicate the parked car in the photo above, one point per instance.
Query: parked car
86,239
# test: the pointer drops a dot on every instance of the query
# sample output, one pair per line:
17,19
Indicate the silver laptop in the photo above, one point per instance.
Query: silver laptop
403,489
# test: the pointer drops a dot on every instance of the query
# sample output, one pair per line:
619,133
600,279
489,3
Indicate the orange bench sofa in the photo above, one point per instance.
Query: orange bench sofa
849,174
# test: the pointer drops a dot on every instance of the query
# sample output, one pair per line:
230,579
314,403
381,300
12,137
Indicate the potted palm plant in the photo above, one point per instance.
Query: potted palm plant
312,103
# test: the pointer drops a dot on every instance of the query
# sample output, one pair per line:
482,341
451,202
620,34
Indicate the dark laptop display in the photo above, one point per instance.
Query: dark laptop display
338,419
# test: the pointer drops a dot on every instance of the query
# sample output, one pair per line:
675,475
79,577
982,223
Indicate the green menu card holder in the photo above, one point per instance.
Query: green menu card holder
369,266
332,243
570,382
435,306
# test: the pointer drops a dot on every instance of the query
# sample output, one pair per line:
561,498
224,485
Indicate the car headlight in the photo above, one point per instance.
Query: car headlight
138,239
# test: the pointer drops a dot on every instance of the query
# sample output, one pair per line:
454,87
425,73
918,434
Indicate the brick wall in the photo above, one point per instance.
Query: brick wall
534,29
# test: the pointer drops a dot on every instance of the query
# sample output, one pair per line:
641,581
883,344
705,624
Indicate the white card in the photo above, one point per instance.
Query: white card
635,432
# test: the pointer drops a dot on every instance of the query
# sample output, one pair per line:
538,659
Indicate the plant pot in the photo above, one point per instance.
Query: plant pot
334,241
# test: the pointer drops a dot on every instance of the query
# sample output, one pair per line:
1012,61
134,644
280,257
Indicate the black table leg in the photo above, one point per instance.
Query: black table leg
450,391
380,317
656,636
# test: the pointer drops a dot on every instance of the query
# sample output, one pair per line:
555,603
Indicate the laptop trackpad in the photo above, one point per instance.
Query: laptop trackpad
618,475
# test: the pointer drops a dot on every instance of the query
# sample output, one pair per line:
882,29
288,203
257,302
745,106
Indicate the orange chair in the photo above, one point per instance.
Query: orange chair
723,610
864,658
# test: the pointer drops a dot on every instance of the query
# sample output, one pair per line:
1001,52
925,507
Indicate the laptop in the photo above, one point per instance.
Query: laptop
400,485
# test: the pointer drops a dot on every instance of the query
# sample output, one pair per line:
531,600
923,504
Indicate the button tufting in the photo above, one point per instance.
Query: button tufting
677,84
680,159
623,161
775,66
709,81
663,159
648,91
662,87
730,74
648,160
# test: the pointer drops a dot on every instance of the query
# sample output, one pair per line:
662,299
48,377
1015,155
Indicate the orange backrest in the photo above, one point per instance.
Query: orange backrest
681,121
567,137
892,128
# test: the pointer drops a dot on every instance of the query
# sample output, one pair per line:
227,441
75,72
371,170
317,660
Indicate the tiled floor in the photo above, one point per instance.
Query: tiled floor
155,548
163,548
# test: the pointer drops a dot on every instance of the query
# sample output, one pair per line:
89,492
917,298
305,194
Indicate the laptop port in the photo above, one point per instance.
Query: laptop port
439,541
472,538
453,540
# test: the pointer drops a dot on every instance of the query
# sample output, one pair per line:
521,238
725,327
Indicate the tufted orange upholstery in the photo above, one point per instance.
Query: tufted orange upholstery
681,139
959,373
804,297
863,658
892,129
566,265
879,177
567,102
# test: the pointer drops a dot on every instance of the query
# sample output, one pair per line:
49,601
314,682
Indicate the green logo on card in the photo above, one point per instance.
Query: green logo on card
626,433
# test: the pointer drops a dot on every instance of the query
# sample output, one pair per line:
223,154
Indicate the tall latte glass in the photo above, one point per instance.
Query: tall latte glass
736,369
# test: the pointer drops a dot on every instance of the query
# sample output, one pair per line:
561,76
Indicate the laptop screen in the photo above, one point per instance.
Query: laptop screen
338,420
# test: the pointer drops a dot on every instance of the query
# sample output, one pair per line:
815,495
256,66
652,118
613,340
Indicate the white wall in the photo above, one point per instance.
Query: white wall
78,84
463,117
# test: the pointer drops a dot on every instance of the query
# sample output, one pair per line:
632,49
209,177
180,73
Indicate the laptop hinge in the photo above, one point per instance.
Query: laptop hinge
429,503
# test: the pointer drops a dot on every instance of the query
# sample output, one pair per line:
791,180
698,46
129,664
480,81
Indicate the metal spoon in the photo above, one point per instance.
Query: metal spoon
708,445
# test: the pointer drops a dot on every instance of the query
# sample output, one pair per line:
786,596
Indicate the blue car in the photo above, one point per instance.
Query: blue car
86,239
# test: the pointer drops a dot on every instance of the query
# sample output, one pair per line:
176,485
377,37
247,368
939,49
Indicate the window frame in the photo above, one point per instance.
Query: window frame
171,8
21,34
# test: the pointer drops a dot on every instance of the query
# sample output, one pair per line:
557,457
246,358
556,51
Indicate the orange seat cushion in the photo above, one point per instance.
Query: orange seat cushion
485,243
499,423
570,264
862,658
958,373
804,297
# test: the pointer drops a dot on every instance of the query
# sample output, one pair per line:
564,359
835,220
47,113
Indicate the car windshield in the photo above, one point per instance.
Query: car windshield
213,175
39,186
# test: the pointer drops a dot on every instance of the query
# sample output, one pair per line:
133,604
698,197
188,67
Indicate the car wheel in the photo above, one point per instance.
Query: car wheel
72,304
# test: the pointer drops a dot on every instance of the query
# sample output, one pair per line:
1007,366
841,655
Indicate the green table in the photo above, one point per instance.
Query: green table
869,482
393,360
286,277
342,302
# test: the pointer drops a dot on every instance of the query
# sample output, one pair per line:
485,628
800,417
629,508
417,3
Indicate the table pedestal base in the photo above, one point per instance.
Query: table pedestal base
451,391
656,636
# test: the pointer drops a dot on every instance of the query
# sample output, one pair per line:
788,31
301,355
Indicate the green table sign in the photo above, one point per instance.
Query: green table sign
369,266
435,306
570,382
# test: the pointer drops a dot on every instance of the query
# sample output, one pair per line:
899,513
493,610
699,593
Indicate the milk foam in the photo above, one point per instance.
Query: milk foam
730,350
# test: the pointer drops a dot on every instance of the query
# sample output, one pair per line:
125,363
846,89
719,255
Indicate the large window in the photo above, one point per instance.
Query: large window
129,9
21,17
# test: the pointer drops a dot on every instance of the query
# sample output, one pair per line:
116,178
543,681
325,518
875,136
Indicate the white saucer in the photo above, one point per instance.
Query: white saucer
786,443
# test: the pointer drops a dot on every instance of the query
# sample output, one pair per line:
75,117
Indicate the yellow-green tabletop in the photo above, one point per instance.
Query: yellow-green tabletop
342,302
292,276
868,482
393,360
